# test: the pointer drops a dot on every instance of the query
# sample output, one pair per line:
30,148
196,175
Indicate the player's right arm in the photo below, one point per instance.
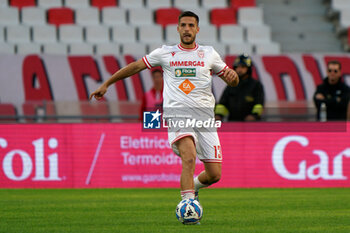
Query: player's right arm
127,71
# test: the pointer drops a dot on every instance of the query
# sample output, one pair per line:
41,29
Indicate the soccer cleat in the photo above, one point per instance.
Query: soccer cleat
196,196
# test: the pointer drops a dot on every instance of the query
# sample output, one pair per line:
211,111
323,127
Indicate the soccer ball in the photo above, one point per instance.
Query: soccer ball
189,211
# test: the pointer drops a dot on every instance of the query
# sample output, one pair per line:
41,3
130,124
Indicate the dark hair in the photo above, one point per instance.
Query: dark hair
189,14
334,62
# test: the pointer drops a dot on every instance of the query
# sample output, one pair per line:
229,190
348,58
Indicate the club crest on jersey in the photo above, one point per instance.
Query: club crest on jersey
185,72
200,53
173,53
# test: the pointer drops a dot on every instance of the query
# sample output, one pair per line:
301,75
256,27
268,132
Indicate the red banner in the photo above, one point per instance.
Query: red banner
124,155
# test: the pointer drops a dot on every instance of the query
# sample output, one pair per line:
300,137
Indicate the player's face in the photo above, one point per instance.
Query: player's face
333,73
188,28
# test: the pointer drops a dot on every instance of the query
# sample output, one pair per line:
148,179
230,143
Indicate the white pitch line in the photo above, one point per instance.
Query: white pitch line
88,178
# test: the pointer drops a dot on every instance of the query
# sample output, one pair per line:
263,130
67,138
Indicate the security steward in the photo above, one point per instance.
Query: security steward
244,102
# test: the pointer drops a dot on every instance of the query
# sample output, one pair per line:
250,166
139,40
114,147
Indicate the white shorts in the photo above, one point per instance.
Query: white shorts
206,140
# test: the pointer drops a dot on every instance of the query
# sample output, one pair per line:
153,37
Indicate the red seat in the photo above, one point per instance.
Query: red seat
22,3
39,109
103,3
220,16
166,16
7,110
242,3
58,16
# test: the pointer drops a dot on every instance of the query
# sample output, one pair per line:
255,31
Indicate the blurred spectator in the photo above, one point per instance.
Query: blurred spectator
333,92
153,99
244,102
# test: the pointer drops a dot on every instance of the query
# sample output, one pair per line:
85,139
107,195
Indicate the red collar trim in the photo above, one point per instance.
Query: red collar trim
185,49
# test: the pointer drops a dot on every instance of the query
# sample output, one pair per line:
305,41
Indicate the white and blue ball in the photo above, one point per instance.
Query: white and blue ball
189,211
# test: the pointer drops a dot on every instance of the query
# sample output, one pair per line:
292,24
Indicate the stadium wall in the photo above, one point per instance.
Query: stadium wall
71,78
125,155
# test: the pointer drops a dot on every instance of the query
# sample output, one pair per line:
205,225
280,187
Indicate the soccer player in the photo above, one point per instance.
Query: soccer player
188,69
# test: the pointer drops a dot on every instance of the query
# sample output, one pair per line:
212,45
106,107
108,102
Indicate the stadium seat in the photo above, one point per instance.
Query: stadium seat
258,34
221,16
271,48
107,49
18,34
340,4
38,109
33,16
345,18
28,48
59,16
131,4
133,49
171,35
6,48
4,4
151,34
70,34
123,34
239,48
156,4
80,49
8,110
153,46
203,14
185,4
167,16
242,3
250,16
103,3
50,3
140,16
44,34
9,16
231,34
74,4
113,15
55,49
221,49
97,34
21,3
210,4
87,16
207,35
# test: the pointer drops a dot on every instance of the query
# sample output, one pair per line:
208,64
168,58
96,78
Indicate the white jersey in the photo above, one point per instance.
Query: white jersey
187,74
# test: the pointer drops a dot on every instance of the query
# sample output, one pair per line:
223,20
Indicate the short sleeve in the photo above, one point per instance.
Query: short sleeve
153,59
218,66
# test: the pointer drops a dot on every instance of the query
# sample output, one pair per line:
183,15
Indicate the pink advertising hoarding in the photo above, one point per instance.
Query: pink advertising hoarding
124,155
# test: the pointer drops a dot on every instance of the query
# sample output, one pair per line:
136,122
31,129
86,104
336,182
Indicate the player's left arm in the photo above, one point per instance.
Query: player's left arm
230,77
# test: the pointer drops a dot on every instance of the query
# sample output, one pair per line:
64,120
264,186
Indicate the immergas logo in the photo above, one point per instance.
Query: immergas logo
28,164
313,172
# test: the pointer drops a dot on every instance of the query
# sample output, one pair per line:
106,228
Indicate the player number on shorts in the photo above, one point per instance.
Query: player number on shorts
218,154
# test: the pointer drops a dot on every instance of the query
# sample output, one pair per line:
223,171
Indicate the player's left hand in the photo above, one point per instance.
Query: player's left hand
231,77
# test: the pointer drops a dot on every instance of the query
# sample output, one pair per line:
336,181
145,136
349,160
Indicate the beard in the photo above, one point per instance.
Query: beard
189,42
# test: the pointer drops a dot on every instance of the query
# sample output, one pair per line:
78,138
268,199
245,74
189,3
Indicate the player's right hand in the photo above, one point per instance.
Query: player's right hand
98,94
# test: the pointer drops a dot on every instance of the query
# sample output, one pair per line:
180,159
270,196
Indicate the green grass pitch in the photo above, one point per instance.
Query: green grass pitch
153,210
